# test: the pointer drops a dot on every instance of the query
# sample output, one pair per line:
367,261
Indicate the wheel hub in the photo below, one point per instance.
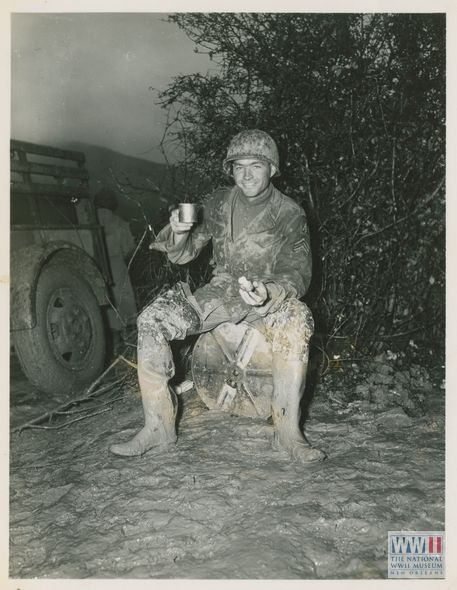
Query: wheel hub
69,328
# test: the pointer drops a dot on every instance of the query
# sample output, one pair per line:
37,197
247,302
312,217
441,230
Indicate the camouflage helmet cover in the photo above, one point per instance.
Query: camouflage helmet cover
252,143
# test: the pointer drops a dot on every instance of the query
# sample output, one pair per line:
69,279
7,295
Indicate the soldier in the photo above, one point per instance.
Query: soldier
262,267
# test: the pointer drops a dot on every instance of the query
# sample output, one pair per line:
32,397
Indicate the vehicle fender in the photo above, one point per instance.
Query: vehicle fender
26,265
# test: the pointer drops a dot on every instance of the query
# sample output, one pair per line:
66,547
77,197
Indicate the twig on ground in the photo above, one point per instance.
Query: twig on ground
131,344
337,401
130,363
57,427
102,376
80,410
90,393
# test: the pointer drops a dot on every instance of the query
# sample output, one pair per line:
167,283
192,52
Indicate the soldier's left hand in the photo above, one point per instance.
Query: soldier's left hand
255,296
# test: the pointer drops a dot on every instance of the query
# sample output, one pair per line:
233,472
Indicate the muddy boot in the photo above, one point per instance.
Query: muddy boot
159,406
289,382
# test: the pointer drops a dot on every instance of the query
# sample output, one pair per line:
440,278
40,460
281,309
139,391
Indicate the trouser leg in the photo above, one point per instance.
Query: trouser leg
289,330
169,317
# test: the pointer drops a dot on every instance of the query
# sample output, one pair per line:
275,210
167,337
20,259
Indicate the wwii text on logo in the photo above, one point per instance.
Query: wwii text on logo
414,554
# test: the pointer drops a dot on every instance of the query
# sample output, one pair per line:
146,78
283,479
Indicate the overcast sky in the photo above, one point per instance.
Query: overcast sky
87,77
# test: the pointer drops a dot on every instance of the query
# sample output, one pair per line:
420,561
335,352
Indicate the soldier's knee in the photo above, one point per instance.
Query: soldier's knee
303,316
296,318
289,329
147,319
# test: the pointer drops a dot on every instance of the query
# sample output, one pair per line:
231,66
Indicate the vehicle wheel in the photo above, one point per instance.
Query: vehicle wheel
65,351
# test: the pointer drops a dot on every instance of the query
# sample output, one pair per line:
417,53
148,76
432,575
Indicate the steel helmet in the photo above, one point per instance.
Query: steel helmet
252,143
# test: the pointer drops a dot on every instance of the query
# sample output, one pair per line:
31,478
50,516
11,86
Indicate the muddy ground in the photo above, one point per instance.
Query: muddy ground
223,504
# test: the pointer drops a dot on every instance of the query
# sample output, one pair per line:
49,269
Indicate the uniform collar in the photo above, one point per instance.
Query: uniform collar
265,219
259,199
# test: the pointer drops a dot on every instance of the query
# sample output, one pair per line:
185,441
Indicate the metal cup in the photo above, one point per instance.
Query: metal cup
188,212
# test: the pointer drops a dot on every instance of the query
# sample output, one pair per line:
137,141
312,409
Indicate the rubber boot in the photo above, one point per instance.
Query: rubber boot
289,379
159,406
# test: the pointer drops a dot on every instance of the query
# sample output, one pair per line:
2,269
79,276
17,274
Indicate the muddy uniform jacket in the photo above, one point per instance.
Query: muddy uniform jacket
273,248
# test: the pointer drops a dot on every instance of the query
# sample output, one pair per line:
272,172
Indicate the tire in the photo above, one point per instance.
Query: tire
66,349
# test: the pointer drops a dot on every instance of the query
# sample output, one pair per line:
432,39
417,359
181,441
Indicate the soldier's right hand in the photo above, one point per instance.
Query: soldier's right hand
179,227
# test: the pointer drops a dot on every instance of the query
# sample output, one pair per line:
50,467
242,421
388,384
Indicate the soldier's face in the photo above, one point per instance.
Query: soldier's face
252,176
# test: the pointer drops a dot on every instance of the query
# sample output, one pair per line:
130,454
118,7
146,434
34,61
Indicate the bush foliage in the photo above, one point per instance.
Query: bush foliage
356,104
